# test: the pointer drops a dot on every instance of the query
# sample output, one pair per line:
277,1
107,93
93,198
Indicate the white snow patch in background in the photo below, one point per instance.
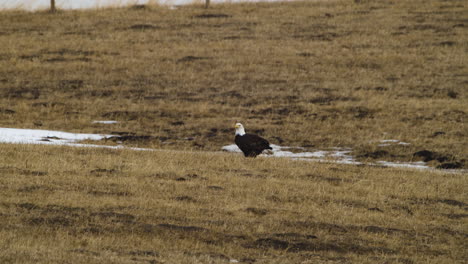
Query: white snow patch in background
415,165
37,136
336,155
50,137
33,5
390,142
108,122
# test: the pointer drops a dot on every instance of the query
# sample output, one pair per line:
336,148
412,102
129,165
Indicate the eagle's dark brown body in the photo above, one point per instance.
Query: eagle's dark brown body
251,145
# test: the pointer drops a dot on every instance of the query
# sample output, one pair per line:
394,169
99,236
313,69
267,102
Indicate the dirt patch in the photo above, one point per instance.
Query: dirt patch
429,201
185,198
56,222
451,165
24,93
327,100
101,172
110,193
427,155
7,111
143,27
257,211
361,112
213,15
191,59
277,244
182,228
145,253
456,216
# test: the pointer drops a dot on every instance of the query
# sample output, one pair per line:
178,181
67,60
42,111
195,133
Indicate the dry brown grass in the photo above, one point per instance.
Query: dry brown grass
70,205
323,74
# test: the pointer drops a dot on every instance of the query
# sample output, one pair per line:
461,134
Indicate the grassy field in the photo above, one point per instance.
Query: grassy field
311,74
315,74
70,205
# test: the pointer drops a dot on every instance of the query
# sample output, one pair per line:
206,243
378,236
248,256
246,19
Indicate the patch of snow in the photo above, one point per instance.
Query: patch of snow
231,148
33,5
38,136
415,165
51,137
390,142
105,122
335,155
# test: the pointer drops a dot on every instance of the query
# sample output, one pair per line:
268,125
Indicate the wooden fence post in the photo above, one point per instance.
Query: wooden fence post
207,3
52,6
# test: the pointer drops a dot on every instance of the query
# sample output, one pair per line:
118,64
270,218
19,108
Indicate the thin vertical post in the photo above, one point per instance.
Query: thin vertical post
52,6
207,3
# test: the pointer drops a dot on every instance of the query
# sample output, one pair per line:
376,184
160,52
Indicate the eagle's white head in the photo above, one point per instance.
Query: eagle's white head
239,129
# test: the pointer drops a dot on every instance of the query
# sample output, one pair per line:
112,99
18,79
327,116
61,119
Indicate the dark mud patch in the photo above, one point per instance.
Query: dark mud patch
28,206
447,43
451,165
329,36
182,228
63,59
360,112
24,93
142,27
456,216
257,211
382,230
127,115
7,111
56,221
110,193
212,15
191,59
185,198
233,94
438,133
215,188
178,123
47,104
342,229
305,54
327,100
426,156
429,201
32,188
294,236
339,247
137,139
101,172
68,85
84,251
146,253
375,209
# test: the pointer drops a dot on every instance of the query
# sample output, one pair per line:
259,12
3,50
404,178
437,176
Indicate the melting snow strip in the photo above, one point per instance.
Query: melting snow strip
108,122
50,137
336,155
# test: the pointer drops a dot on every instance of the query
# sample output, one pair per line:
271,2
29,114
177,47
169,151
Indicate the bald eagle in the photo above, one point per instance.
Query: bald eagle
251,145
